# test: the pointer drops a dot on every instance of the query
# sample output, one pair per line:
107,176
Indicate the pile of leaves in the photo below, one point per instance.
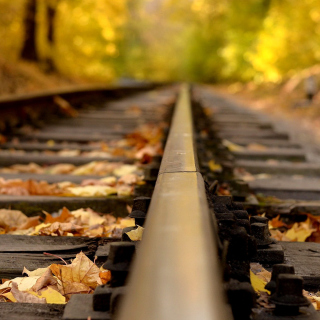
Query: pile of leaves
81,222
123,186
308,230
98,168
142,145
56,283
259,277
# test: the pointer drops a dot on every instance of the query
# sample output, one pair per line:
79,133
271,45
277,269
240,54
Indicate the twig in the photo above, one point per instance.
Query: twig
51,254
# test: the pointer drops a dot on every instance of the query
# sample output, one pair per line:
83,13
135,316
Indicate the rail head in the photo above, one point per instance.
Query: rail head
176,274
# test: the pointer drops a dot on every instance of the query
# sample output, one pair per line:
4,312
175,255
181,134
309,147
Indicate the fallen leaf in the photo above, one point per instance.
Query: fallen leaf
300,232
52,296
124,170
214,167
25,297
38,272
232,146
105,276
81,270
64,216
12,218
92,191
45,280
257,283
136,234
276,222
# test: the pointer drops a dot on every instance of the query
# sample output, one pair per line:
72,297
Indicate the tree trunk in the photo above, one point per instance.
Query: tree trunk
29,51
51,14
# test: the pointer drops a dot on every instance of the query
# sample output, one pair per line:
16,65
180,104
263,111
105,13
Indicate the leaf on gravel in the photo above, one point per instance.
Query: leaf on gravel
136,234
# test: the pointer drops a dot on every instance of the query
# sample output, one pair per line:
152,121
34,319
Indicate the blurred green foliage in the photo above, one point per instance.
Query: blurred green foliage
194,40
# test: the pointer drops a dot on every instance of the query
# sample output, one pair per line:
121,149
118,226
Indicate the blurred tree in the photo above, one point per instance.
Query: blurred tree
51,15
29,51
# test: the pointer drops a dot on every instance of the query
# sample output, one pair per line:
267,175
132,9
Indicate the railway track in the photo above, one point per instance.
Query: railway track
204,205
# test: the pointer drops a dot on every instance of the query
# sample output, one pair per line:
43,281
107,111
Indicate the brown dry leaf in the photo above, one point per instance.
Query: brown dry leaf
62,168
124,190
12,218
45,280
25,297
256,147
276,222
31,222
88,217
82,271
60,229
129,179
105,276
65,107
64,216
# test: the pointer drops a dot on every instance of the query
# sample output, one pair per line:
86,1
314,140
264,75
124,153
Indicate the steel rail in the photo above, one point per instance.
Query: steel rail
71,92
176,274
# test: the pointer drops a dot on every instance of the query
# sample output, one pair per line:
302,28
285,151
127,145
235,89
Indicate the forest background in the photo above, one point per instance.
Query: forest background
257,41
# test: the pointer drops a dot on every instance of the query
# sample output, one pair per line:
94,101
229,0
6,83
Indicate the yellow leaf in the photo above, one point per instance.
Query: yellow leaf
127,222
109,180
9,296
214,167
51,296
301,233
232,146
136,234
257,283
85,169
92,191
39,227
125,169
